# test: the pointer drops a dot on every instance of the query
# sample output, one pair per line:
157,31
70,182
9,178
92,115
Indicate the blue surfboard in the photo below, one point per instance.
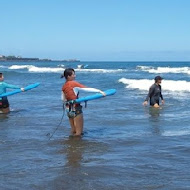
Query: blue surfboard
95,96
29,87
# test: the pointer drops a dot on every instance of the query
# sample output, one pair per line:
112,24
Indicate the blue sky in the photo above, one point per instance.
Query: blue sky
108,30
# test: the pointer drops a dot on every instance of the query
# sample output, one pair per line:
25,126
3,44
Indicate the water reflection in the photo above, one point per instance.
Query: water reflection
154,113
3,117
74,151
155,120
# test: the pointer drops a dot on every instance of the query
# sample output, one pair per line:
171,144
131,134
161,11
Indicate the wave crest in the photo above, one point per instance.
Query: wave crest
159,70
15,67
144,84
59,69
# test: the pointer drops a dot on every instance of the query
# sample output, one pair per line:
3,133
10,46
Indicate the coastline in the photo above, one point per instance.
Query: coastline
18,58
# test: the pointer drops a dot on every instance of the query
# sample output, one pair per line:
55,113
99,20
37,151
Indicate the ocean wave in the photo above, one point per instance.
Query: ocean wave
144,84
60,68
32,68
100,70
45,69
2,66
15,67
159,70
176,133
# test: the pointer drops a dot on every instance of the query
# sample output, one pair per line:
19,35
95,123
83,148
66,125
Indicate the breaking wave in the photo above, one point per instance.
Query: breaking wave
1,66
15,67
159,70
32,68
144,84
175,133
45,69
100,70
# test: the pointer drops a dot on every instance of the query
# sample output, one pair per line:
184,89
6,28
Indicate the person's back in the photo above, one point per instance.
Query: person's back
68,89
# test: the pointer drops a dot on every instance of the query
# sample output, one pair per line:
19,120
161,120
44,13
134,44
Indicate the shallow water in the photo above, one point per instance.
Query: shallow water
125,145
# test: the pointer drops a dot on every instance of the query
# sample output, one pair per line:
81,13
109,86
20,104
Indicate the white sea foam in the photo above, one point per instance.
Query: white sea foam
144,68
20,67
2,66
159,70
60,68
100,70
144,84
175,133
45,69
61,65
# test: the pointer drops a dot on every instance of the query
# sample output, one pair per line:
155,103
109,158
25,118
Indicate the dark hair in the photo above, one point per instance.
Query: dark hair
1,74
68,72
157,78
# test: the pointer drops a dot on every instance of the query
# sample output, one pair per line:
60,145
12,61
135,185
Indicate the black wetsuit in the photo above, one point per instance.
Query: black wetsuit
155,93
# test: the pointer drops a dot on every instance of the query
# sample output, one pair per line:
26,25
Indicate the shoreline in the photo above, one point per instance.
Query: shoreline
40,60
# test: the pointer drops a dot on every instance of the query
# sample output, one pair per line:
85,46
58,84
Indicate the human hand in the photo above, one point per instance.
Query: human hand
22,89
103,93
145,103
163,102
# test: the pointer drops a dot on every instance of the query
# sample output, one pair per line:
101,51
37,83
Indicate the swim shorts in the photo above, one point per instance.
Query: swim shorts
74,111
4,103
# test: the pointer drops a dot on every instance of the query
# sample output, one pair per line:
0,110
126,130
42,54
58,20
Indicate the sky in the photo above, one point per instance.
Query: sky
96,30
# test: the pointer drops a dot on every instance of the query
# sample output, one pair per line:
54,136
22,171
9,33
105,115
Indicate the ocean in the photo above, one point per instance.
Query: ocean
125,145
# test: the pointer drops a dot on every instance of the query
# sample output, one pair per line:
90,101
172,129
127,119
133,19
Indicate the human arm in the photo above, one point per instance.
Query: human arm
161,96
12,86
151,90
63,98
163,101
78,89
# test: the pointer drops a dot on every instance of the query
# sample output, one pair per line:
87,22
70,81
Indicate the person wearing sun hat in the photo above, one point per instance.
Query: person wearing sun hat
155,93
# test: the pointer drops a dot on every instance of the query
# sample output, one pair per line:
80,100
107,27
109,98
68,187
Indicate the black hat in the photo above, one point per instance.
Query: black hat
158,78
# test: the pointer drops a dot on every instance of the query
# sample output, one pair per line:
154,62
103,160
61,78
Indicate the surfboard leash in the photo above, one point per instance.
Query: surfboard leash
58,124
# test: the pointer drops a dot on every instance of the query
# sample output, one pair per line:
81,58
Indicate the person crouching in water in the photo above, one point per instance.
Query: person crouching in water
4,103
155,93
70,91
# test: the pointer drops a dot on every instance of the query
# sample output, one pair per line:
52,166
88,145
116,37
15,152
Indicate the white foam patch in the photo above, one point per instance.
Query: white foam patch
2,66
144,84
45,69
159,70
61,65
60,69
175,133
15,67
100,70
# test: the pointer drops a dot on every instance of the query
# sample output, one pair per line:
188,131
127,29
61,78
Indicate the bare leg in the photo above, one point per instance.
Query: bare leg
73,129
78,122
5,110
156,106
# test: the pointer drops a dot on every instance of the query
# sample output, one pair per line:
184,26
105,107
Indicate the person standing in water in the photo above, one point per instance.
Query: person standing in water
155,93
70,91
4,103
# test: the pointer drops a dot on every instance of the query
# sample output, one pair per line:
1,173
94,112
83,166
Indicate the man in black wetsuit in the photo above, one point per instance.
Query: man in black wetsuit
155,93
